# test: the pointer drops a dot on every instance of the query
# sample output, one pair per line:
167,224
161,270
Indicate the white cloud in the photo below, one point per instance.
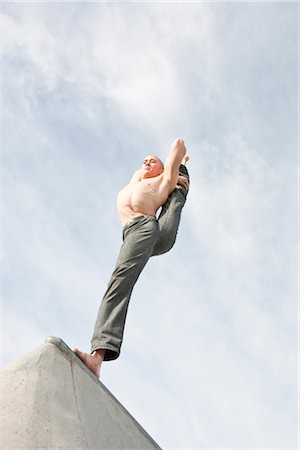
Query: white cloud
137,66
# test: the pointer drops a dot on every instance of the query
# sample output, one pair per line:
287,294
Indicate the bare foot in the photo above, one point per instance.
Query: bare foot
185,160
92,361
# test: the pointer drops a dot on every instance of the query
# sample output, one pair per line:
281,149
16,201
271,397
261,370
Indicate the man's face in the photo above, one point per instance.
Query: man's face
152,166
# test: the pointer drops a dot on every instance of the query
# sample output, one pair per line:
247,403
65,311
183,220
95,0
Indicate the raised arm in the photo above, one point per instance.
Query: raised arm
171,171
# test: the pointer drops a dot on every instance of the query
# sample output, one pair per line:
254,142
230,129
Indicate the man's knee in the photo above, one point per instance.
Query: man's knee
164,246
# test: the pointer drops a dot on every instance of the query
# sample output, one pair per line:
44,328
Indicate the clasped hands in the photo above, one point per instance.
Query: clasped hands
182,181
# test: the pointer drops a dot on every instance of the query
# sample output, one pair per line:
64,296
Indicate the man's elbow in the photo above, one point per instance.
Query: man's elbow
172,182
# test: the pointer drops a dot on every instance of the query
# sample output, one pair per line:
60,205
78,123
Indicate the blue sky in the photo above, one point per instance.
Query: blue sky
210,356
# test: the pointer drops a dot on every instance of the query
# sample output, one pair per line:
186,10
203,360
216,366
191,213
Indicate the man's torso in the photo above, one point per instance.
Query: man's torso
143,197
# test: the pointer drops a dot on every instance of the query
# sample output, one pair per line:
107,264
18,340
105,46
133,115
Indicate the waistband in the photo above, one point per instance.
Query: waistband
138,219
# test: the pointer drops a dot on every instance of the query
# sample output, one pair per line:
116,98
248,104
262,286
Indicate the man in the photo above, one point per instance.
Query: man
151,187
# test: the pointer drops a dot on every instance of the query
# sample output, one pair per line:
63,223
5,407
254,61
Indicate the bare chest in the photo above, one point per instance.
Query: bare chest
142,189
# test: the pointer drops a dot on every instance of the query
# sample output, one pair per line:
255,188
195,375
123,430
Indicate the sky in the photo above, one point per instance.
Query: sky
210,356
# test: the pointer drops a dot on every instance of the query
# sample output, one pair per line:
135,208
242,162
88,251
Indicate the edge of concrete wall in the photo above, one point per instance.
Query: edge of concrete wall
70,356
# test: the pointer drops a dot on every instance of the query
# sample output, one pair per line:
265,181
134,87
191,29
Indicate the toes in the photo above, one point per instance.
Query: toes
78,352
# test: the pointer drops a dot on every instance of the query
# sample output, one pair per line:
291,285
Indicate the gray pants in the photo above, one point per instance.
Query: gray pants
143,237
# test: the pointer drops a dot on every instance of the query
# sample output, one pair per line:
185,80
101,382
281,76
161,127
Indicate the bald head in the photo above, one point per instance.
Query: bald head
152,166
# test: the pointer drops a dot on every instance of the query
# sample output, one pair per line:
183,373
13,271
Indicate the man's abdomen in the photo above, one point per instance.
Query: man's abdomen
134,201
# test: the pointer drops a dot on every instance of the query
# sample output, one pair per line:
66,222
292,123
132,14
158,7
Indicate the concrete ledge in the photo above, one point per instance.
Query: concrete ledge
52,401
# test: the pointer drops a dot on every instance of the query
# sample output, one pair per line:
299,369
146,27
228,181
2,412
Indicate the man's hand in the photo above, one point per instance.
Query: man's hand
182,181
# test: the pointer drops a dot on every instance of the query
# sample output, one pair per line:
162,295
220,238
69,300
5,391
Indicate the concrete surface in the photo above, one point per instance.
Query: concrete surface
51,401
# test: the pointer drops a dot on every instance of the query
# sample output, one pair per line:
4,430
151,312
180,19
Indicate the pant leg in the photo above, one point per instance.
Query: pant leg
139,238
170,215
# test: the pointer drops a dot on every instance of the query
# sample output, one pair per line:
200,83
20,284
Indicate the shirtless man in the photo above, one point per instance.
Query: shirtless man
151,187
